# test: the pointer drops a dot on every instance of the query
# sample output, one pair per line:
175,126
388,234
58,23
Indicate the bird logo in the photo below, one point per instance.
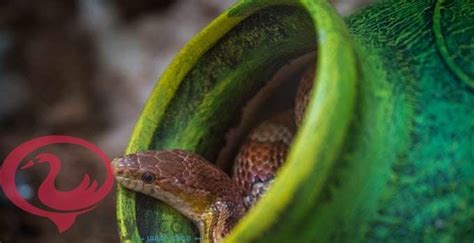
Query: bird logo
65,205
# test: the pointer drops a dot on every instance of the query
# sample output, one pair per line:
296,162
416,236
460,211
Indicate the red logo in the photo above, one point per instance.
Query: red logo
65,205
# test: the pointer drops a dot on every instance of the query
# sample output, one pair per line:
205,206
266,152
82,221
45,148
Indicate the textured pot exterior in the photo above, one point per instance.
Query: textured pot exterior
386,152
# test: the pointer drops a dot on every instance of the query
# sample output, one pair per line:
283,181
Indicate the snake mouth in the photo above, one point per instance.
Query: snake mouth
118,167
125,171
125,181
127,177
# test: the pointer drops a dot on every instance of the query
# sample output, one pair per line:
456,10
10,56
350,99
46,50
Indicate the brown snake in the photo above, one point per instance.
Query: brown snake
203,192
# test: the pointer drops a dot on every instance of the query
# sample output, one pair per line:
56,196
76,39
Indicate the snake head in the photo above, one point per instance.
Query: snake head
182,179
185,181
139,172
166,170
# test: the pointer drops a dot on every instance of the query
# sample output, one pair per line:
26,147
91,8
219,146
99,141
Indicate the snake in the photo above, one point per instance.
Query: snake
203,192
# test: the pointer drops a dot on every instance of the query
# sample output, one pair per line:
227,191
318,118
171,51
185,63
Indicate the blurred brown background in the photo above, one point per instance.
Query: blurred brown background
84,68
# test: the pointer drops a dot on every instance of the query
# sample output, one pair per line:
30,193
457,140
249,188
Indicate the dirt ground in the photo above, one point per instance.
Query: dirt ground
85,68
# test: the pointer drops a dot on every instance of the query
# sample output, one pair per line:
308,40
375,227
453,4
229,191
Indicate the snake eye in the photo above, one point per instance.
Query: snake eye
148,177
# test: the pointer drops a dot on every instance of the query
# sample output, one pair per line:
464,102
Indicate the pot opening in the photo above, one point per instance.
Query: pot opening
214,95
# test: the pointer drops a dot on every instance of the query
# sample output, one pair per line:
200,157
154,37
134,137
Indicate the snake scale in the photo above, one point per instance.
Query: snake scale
203,192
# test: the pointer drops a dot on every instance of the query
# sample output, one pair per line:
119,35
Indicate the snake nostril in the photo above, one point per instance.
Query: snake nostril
117,166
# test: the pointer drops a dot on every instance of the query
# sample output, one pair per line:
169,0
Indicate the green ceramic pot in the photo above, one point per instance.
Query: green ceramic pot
386,151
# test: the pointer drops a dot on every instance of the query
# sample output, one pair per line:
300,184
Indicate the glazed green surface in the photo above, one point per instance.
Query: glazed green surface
430,189
386,152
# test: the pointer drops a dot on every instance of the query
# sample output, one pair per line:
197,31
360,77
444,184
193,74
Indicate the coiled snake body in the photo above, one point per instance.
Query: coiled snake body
203,192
